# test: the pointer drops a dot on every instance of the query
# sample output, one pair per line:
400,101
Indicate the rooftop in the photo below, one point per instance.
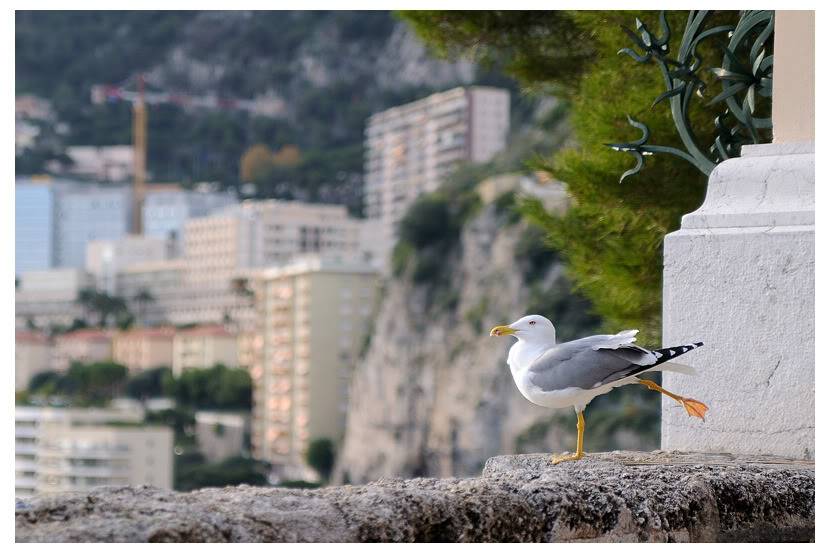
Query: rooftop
30,337
206,330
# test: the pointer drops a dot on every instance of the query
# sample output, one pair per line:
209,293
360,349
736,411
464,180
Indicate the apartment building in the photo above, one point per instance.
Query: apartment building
163,280
33,225
106,258
62,450
140,349
86,345
204,346
55,218
84,213
221,250
32,355
49,297
311,318
167,209
411,148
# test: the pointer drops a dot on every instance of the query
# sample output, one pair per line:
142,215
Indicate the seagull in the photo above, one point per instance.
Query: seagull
571,374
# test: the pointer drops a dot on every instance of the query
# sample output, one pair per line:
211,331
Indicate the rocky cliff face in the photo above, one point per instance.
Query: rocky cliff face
434,396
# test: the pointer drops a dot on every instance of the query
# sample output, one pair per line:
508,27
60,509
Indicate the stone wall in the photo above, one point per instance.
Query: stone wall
620,496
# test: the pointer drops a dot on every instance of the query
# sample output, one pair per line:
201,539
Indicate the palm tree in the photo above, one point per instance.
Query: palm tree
142,298
102,304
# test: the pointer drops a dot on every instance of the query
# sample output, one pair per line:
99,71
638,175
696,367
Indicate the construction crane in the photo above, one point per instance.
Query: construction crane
265,106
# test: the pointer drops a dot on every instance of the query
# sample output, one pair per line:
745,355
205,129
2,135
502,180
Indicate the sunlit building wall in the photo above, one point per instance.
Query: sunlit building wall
202,347
311,319
86,345
140,349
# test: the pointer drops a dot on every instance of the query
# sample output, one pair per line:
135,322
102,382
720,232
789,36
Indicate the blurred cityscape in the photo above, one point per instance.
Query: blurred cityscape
183,320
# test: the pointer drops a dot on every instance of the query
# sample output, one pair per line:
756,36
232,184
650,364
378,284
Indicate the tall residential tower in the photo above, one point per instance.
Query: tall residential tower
411,148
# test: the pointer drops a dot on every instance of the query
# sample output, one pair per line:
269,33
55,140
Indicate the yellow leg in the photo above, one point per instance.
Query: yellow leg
580,431
693,407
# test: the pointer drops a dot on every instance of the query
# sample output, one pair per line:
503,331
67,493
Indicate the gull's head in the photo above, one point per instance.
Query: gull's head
530,328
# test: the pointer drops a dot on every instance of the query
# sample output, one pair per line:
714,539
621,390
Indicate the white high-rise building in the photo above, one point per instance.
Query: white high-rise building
411,148
60,450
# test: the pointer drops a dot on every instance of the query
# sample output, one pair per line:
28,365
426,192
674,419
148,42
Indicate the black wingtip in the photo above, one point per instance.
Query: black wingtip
698,344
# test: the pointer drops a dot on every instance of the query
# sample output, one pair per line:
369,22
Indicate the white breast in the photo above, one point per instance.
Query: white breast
522,355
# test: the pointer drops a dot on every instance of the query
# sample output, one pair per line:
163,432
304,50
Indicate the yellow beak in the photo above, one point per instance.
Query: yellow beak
502,331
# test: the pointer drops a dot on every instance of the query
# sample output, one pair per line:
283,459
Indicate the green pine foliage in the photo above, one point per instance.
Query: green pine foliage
612,236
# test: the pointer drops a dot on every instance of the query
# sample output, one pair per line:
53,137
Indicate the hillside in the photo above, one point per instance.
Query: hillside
329,69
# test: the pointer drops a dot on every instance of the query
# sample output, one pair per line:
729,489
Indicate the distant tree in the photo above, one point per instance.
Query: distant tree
103,305
287,156
181,419
230,472
94,383
77,324
217,387
83,383
147,384
143,298
320,456
44,383
256,163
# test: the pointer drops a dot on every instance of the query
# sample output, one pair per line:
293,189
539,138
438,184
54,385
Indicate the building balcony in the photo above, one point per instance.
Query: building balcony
25,448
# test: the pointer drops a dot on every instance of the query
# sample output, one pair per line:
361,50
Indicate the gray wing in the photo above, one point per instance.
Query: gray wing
590,362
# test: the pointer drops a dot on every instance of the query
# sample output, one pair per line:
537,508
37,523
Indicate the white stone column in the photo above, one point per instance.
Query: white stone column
739,275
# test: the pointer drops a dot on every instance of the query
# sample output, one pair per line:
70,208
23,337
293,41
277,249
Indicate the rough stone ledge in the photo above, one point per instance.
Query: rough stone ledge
618,496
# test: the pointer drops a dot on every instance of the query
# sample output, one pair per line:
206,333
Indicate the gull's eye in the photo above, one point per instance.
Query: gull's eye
532,323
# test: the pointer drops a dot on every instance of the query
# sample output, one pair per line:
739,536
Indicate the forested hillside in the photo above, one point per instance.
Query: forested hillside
331,70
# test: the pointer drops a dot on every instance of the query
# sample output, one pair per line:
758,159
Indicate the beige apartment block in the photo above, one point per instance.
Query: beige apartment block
248,343
32,355
311,318
204,346
411,148
87,345
140,349
62,450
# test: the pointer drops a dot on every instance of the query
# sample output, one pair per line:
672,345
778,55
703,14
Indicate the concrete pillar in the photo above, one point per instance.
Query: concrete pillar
739,275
